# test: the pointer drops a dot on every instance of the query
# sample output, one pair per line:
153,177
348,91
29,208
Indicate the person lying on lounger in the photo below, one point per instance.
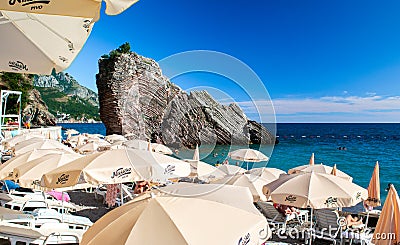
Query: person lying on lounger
284,209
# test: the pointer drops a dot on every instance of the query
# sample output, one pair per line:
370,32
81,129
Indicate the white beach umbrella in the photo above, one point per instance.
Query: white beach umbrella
30,173
78,138
196,154
161,149
71,132
117,147
254,183
320,168
87,8
116,166
236,196
22,137
231,169
204,171
37,43
248,155
115,138
314,190
137,144
88,148
46,35
178,220
267,173
6,169
95,136
31,144
99,142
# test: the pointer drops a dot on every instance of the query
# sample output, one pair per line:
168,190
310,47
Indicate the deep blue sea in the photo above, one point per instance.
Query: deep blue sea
365,144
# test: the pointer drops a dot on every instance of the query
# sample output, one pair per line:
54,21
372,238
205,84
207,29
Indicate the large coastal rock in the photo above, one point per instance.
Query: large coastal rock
136,99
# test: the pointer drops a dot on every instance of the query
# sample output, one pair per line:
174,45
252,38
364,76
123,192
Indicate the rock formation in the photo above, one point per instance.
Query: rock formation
40,116
136,99
32,101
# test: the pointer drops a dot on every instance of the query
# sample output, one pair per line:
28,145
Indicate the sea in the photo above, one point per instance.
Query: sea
353,147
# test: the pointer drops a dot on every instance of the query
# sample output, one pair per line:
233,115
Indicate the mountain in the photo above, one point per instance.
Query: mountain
64,95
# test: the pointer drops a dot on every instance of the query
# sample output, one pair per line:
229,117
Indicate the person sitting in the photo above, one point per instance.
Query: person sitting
27,121
352,221
141,186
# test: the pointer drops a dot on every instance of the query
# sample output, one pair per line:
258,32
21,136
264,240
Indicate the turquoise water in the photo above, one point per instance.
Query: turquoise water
365,144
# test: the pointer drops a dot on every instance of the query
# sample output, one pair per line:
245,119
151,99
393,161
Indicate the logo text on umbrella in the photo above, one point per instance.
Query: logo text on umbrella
169,169
121,173
62,179
244,240
30,2
330,201
17,65
290,199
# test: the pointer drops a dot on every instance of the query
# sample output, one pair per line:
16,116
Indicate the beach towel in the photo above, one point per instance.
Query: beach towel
111,195
10,185
59,196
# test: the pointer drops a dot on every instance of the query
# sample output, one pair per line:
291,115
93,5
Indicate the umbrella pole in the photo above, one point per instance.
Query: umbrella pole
311,227
366,220
122,195
8,190
62,206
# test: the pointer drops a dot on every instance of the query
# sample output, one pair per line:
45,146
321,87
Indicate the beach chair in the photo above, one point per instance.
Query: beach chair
328,228
277,220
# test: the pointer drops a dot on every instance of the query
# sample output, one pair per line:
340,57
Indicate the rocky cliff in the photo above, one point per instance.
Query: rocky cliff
136,99
40,114
31,99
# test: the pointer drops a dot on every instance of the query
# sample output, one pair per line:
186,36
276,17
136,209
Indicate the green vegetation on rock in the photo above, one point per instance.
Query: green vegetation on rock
16,82
60,102
123,49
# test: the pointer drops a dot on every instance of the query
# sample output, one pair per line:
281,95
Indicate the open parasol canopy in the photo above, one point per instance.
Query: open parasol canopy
320,168
314,190
267,173
46,35
178,220
34,143
254,183
29,174
6,169
248,155
116,166
231,169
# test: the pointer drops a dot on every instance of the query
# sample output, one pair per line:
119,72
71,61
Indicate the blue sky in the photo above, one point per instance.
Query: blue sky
321,61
